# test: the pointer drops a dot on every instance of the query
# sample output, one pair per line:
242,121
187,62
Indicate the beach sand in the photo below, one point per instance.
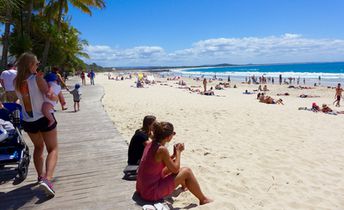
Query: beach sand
245,154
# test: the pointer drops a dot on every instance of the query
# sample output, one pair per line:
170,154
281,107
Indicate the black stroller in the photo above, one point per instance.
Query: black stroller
13,149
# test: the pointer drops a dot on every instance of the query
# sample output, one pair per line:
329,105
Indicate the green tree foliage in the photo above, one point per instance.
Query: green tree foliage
38,22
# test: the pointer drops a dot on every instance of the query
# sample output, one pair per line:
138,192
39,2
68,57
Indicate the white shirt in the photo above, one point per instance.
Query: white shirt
36,98
8,76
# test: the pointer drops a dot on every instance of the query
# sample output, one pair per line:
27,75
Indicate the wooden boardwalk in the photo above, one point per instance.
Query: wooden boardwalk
89,174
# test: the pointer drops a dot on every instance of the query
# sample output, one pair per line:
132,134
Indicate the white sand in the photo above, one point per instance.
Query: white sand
245,154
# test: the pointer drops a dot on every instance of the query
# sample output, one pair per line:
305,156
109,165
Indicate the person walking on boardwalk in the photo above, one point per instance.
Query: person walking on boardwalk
338,95
30,88
76,97
92,75
6,80
83,78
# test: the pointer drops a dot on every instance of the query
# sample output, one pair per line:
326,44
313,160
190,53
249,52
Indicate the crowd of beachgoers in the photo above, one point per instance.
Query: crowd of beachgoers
232,120
219,135
207,86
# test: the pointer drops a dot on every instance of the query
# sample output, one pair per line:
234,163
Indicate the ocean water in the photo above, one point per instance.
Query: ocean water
330,73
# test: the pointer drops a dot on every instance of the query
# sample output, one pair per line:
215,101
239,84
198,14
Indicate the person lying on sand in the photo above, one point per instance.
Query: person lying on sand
307,87
328,110
270,100
315,107
283,94
325,109
308,96
208,93
246,92
194,90
218,87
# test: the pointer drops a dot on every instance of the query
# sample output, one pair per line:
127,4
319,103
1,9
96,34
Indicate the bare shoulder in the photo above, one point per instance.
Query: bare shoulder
162,152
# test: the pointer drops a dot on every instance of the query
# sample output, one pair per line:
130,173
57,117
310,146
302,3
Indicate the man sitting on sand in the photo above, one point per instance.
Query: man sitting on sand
210,92
218,87
260,88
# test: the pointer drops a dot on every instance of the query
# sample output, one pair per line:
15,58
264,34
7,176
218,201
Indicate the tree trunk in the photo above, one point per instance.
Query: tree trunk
28,28
48,41
45,52
59,21
5,38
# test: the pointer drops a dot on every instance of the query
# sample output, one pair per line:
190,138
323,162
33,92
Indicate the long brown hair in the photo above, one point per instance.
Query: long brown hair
162,130
24,63
147,122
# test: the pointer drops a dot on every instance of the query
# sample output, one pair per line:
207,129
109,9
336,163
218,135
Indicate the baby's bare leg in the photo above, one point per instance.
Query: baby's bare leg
46,108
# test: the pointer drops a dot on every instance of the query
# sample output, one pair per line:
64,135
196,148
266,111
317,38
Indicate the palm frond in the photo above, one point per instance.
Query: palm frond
8,5
82,5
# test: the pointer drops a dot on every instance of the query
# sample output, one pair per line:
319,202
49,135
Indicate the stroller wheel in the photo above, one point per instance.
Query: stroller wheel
23,168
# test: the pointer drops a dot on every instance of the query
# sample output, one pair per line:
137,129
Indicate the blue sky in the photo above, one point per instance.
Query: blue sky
193,32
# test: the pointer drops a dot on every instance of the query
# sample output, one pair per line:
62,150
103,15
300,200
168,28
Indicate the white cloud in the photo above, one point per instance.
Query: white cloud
285,48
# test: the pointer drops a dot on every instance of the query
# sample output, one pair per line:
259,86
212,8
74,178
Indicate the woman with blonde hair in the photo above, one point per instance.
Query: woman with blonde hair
30,88
159,173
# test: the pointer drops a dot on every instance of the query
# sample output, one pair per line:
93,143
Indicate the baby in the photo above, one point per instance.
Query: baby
48,105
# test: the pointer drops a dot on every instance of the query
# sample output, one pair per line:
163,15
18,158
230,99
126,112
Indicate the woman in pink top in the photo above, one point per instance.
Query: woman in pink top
159,173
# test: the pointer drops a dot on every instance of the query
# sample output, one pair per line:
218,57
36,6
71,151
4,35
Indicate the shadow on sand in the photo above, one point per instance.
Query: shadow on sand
168,200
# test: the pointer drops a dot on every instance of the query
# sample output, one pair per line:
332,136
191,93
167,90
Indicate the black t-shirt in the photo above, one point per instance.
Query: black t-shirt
136,147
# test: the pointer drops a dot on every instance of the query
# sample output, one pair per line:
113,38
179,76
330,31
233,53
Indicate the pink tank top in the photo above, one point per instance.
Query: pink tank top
151,185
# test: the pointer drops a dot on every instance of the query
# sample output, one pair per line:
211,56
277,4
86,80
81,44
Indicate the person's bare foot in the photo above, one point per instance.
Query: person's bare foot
205,201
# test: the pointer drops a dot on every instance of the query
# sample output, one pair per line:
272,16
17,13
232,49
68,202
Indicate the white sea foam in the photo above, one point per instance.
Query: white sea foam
307,75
